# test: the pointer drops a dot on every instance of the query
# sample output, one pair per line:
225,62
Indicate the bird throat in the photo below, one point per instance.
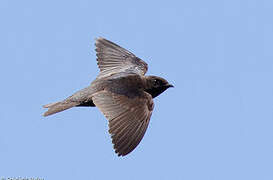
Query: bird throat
154,92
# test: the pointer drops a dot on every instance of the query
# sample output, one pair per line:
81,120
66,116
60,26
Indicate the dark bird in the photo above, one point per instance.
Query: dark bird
121,92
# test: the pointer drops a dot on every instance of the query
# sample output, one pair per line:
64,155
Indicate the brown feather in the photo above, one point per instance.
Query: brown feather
128,123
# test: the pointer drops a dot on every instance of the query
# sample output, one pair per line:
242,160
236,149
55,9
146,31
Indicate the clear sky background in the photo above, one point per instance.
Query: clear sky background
215,124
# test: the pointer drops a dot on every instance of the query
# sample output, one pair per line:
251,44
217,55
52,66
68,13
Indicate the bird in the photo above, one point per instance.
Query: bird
122,92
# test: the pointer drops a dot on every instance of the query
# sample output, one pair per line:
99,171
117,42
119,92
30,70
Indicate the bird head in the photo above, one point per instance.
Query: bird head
156,85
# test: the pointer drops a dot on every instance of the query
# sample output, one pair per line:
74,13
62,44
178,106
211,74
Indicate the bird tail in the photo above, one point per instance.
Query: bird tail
59,106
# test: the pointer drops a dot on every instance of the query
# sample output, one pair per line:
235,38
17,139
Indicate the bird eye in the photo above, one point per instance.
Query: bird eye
156,82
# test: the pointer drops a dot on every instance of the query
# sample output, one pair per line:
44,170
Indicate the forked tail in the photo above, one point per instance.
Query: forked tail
59,106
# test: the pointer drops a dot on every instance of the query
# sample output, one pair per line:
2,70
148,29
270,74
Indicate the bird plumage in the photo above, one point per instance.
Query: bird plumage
121,92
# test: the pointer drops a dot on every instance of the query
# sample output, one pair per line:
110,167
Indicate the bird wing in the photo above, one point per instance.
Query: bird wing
128,118
114,59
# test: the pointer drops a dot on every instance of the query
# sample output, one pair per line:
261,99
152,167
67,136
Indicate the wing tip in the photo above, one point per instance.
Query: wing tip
122,154
99,40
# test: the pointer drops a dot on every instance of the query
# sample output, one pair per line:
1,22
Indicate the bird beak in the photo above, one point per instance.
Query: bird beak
169,85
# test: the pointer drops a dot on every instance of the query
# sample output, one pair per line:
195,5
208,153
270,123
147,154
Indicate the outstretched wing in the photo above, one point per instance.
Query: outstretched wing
128,118
114,59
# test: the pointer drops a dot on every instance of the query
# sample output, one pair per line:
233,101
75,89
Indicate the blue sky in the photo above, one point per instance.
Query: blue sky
215,124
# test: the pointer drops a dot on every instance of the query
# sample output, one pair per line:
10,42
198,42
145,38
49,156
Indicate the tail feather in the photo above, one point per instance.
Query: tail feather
50,104
58,107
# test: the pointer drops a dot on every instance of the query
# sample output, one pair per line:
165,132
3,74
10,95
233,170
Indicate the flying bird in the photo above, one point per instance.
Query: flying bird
122,93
